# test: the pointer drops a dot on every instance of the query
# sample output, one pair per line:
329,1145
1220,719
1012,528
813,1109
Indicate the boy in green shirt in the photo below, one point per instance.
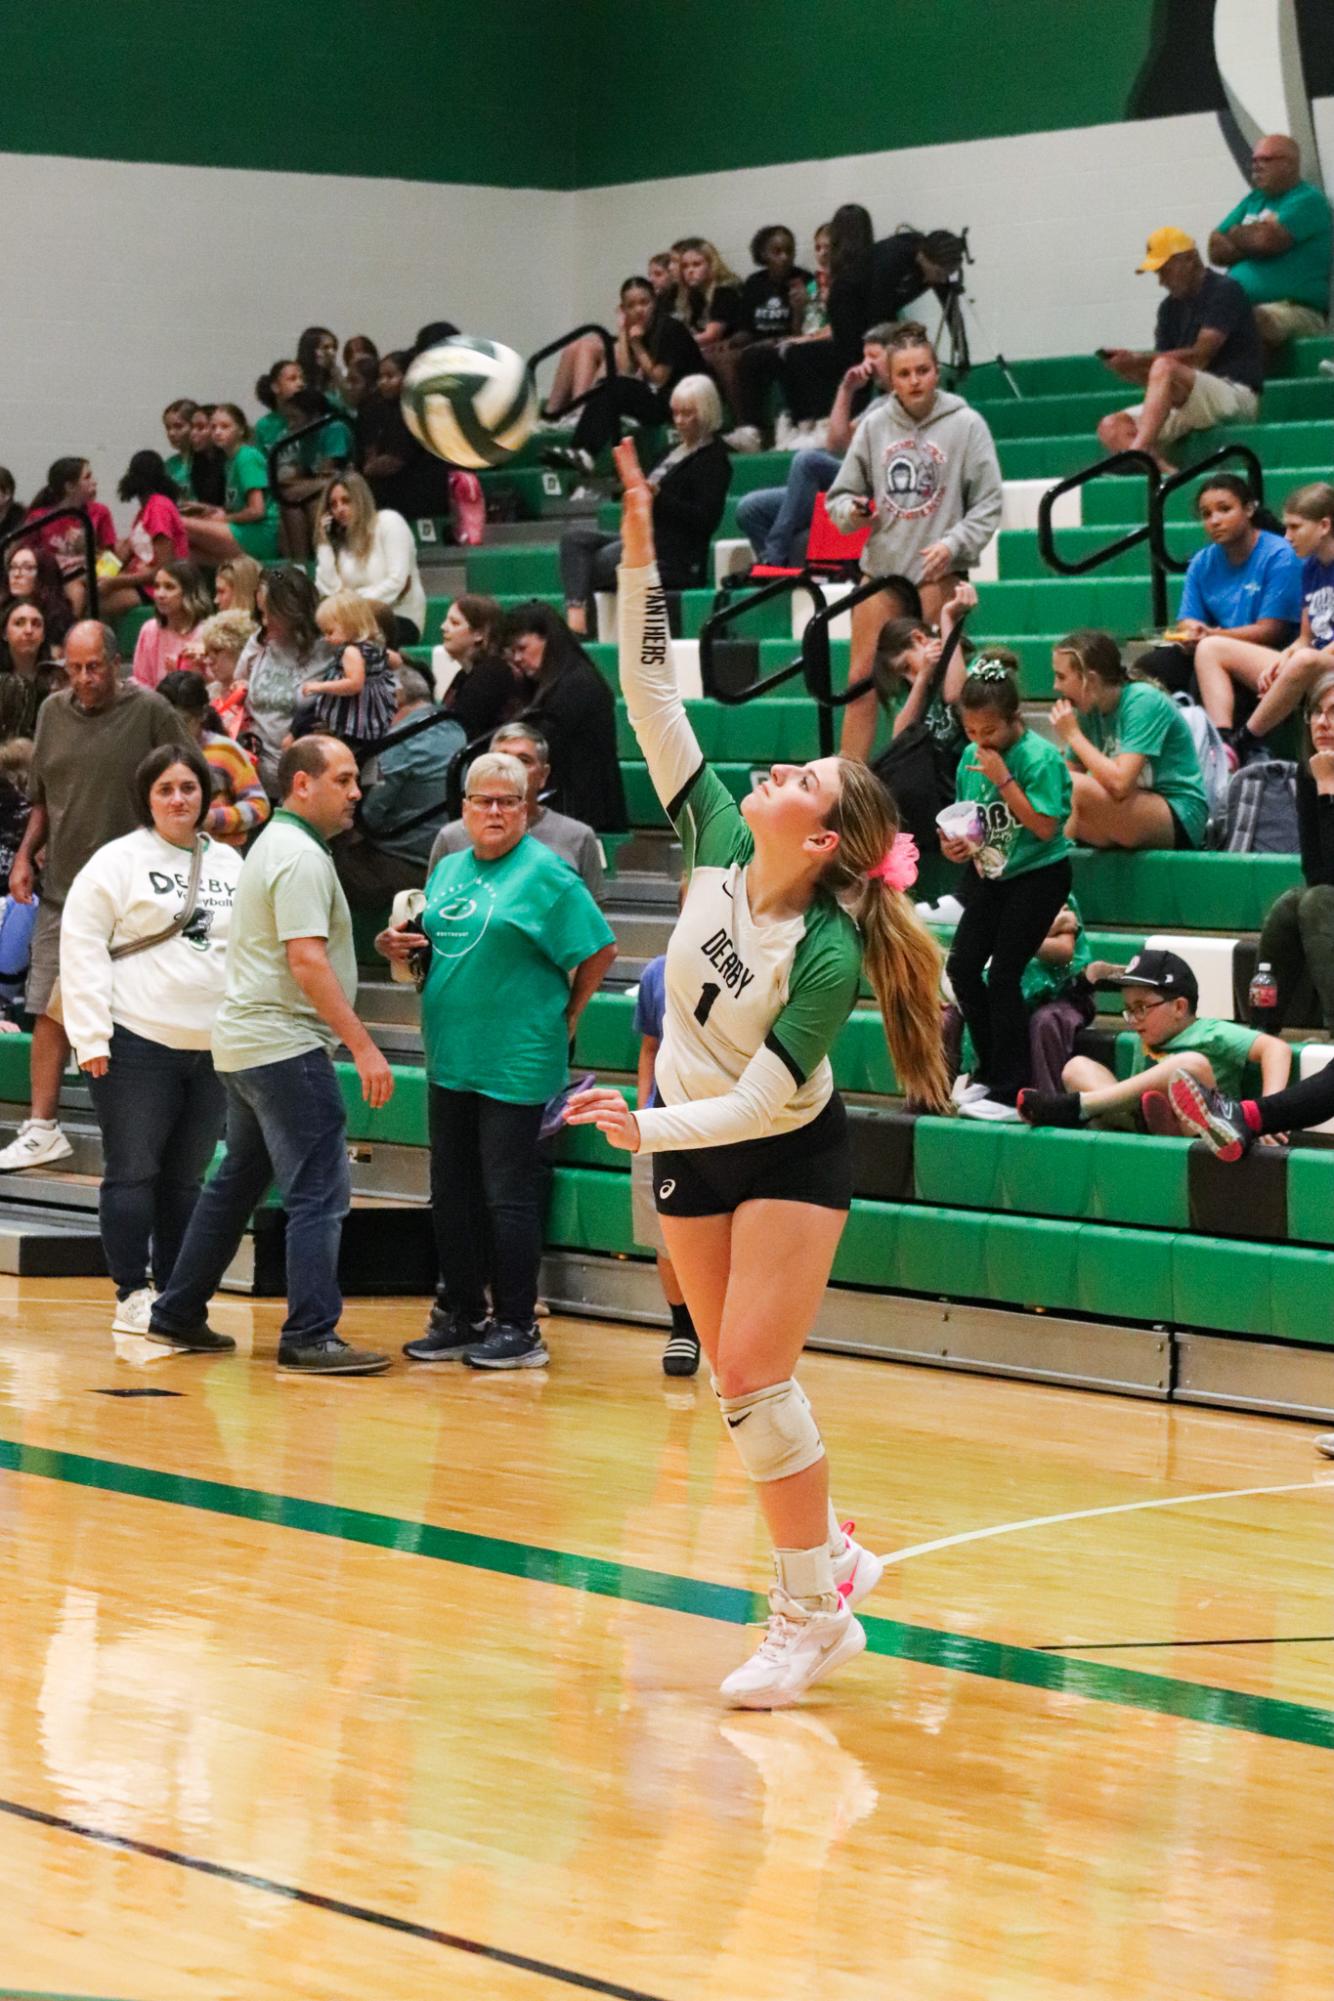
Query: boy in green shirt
1161,998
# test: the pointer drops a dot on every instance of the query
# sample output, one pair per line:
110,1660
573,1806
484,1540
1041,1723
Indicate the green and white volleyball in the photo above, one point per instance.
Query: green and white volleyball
471,402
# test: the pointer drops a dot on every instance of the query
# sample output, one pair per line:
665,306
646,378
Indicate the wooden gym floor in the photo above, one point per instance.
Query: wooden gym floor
409,1686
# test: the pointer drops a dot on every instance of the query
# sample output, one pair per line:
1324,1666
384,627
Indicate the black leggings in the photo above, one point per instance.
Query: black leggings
622,396
1301,1106
1004,920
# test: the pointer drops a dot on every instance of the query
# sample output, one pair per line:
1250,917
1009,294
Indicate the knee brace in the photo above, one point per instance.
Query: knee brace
773,1430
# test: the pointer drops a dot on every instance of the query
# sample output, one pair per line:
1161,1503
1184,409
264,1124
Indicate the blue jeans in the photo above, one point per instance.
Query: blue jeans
486,1203
285,1123
160,1111
777,520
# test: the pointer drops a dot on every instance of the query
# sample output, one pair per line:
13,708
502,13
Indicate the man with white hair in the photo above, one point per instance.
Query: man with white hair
1276,244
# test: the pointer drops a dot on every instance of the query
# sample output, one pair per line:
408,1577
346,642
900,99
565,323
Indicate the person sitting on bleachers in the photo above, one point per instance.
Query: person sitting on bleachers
1276,244
576,711
689,495
1207,366
215,652
710,302
773,304
923,469
176,423
236,583
1161,996
664,275
573,840
207,468
246,524
390,846
776,520
317,357
1137,780
181,602
1297,940
369,550
473,680
1280,679
156,535
399,471
907,654
71,482
812,369
28,673
34,575
1245,585
654,351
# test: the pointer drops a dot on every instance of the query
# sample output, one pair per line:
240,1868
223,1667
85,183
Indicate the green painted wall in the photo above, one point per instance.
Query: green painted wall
521,93
761,81
423,90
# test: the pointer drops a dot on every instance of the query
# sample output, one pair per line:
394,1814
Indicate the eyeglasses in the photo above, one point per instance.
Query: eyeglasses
489,802
1133,1014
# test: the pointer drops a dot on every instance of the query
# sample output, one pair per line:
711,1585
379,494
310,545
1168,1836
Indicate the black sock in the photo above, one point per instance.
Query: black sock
682,1325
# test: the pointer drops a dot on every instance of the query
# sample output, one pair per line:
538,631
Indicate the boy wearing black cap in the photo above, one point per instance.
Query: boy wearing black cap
1161,995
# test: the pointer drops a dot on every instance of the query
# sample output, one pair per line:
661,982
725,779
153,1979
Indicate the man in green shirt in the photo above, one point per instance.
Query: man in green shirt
291,984
1276,244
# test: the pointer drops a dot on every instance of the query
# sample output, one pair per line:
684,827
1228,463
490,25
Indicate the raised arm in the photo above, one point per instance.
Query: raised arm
648,679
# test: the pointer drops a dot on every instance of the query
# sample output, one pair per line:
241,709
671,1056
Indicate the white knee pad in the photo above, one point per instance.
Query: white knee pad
773,1430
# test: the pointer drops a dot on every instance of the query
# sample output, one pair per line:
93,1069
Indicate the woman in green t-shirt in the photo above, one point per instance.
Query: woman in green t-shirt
247,522
1138,782
1022,787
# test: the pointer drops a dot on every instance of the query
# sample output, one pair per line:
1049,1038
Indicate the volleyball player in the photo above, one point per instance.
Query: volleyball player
752,1166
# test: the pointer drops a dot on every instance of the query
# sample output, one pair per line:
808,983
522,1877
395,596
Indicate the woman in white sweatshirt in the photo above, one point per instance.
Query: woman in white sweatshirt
370,551
139,997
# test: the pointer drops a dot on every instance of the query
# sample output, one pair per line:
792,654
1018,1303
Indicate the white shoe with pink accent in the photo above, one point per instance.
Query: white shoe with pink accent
858,1570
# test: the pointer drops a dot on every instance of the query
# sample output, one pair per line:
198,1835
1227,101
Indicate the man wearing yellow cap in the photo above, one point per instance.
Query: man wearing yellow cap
1207,366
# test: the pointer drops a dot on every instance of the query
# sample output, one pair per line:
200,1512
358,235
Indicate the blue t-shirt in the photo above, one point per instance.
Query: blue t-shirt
1267,585
651,1007
1318,599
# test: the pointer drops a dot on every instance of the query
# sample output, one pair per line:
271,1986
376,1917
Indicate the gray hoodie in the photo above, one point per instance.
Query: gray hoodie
934,481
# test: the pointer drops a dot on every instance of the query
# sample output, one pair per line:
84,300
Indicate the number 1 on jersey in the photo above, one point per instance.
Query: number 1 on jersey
708,994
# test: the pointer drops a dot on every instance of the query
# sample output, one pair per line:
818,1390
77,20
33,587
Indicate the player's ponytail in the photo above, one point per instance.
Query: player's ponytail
901,957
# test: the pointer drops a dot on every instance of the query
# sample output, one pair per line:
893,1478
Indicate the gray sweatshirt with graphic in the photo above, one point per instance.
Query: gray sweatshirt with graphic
934,481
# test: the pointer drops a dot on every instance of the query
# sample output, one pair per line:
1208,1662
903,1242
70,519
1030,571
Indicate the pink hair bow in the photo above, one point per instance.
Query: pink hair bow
898,870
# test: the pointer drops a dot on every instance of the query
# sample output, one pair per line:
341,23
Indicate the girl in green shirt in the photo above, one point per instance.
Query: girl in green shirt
247,522
1021,783
1138,782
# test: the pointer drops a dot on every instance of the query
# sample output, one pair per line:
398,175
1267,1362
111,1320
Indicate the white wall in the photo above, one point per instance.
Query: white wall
1057,220
132,284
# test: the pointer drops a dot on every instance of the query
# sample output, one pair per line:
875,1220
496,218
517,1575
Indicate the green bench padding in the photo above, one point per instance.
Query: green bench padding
1162,890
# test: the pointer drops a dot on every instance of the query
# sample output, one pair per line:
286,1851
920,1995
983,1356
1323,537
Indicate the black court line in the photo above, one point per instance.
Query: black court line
588,1983
1148,1646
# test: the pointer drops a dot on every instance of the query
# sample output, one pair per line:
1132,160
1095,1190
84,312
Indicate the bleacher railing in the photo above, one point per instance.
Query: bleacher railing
1152,530
564,340
27,532
282,446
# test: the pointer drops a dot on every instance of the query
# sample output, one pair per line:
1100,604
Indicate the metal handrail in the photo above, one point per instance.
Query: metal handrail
815,656
285,443
27,530
726,613
1162,555
555,346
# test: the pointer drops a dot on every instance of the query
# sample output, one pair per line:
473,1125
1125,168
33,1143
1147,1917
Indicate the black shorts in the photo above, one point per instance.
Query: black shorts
1181,840
812,1164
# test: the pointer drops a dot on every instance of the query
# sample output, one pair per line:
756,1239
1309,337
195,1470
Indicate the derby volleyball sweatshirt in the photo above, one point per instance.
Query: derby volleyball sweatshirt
167,993
937,480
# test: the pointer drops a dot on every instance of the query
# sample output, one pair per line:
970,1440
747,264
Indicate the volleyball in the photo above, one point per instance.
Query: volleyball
471,402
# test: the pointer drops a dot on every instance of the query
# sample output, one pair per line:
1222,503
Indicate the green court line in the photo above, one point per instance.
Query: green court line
960,1653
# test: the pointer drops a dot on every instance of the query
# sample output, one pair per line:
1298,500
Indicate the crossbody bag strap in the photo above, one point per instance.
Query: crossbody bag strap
179,922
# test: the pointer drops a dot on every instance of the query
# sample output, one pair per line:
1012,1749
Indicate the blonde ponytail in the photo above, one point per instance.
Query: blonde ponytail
902,959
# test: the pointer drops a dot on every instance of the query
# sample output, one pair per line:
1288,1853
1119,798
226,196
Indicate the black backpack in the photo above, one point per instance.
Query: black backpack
916,769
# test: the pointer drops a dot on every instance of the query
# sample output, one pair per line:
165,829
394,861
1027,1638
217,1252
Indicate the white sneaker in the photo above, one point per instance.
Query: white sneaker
132,1313
964,1091
799,1648
948,911
785,432
1325,1442
34,1146
745,438
989,1108
858,1570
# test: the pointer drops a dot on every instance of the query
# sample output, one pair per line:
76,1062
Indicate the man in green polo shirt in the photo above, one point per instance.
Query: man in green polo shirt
1276,244
291,984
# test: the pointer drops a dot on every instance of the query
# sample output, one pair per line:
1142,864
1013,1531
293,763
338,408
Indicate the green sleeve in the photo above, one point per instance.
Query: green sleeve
1144,722
300,888
574,928
1304,213
250,471
1231,1038
1234,215
708,823
826,972
1049,788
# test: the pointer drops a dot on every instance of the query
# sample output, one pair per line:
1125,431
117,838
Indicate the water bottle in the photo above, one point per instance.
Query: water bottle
1264,990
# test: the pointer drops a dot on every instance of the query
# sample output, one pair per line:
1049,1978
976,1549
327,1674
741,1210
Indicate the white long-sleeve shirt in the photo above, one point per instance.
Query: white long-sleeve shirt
167,993
753,1003
387,574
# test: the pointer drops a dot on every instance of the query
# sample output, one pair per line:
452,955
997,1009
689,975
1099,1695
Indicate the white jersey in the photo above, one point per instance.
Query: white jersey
753,1004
